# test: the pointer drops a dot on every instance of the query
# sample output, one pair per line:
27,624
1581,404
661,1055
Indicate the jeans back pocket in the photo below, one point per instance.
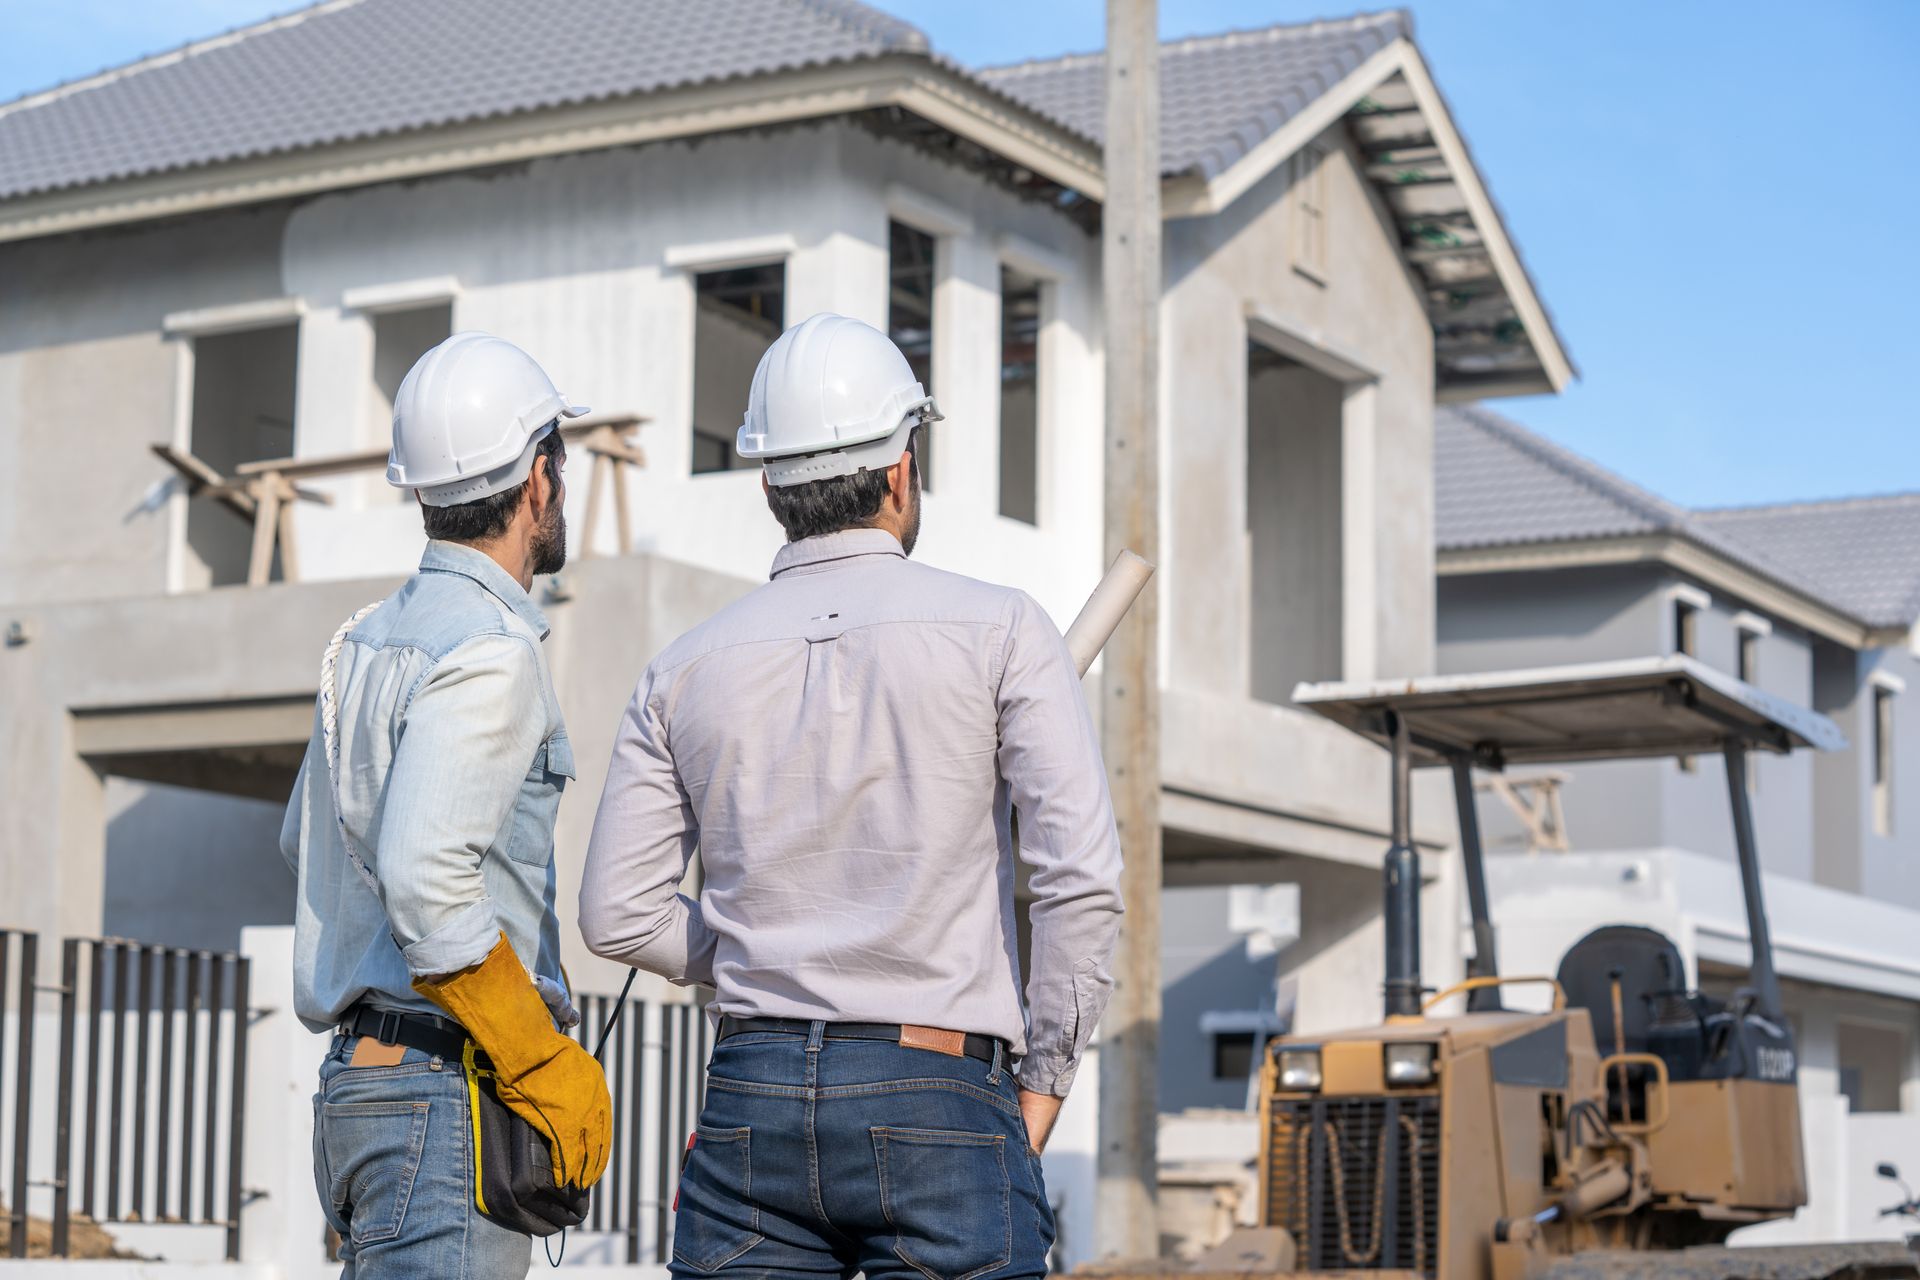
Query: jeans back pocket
945,1194
717,1220
373,1154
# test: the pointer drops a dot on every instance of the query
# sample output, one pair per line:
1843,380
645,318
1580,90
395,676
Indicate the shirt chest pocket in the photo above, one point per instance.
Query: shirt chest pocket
531,838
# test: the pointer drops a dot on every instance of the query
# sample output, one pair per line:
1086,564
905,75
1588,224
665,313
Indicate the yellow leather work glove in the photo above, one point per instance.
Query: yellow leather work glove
543,1077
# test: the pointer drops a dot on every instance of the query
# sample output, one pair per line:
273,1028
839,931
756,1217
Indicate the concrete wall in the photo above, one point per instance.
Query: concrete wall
1217,270
586,260
1853,854
83,362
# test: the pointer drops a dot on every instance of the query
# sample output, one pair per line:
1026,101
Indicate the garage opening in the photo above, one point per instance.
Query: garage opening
1294,515
242,412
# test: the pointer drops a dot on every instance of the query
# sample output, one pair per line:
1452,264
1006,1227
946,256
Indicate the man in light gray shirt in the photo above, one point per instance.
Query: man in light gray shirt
846,746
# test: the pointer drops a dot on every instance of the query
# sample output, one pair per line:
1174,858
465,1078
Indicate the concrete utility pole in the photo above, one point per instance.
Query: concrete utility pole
1128,1207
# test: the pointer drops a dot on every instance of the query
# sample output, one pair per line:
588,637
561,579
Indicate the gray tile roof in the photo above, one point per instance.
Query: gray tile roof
1864,552
362,68
1498,484
1220,96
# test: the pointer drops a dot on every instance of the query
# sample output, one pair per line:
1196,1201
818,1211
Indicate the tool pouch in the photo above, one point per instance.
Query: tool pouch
513,1181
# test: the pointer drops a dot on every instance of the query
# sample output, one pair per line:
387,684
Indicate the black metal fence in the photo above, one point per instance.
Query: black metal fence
145,1112
20,951
655,1063
150,1084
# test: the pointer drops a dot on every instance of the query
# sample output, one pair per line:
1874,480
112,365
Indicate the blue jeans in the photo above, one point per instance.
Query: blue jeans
393,1162
826,1157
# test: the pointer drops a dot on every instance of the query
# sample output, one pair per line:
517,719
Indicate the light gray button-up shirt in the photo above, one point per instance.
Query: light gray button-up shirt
845,746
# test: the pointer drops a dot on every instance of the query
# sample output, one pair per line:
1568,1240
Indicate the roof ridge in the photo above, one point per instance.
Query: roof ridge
1904,497
167,57
1211,40
1577,467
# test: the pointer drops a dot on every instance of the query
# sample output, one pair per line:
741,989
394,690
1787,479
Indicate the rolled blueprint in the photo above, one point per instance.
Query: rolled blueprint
1105,607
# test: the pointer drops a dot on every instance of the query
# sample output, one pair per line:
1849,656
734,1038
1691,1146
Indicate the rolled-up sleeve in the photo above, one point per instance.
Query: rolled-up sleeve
644,835
468,736
1050,758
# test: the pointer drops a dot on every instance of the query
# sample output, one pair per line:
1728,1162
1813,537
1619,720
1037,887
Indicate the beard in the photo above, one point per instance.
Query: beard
910,527
549,547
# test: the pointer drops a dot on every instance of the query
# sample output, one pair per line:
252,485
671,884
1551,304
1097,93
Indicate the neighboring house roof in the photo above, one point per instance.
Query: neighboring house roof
1864,552
1499,487
1220,96
349,92
1498,484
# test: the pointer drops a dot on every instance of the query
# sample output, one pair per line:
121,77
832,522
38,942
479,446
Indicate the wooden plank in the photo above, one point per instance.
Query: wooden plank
366,459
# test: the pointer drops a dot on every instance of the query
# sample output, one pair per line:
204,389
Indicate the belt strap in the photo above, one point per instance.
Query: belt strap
970,1045
428,1034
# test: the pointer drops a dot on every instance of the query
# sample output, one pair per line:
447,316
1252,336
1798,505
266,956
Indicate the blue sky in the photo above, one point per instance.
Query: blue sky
1714,198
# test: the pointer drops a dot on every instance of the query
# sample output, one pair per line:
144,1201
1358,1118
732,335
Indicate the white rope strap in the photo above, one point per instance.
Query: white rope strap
330,736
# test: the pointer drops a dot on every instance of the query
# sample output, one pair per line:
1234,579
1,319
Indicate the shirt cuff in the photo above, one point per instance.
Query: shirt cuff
460,943
1048,1074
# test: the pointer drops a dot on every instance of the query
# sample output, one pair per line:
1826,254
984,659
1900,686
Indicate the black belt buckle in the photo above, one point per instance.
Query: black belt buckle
387,1029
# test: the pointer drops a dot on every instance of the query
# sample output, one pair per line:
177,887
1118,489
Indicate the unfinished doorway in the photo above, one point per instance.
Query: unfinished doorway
243,385
1295,558
737,314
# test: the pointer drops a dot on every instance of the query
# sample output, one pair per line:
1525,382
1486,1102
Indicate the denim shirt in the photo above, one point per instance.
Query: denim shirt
452,760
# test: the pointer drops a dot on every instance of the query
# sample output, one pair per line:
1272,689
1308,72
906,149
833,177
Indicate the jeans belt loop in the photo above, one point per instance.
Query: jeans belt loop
999,1062
815,1034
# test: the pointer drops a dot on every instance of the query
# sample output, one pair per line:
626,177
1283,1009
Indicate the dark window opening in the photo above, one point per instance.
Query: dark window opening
910,279
1020,305
737,314
1686,640
1883,762
400,338
1232,1055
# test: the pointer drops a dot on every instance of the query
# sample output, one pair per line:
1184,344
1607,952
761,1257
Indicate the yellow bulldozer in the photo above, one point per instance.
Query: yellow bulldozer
1628,1130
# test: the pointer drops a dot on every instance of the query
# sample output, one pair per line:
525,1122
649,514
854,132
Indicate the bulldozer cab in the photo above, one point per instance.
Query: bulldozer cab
1636,1114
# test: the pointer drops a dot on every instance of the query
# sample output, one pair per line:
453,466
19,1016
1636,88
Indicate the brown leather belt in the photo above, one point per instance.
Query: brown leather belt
953,1043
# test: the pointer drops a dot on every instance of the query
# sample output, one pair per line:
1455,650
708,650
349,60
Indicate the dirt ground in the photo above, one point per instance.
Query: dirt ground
85,1239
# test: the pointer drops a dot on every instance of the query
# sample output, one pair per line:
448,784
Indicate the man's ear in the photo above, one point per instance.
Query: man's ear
765,488
900,481
540,488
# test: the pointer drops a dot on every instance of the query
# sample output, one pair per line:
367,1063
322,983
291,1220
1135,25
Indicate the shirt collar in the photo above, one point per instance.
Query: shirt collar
453,557
812,555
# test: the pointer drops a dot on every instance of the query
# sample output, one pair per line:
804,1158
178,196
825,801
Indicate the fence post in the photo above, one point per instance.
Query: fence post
23,1091
279,1208
63,1104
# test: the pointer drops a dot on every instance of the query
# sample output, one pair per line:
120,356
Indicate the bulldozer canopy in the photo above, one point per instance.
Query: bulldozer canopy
1633,709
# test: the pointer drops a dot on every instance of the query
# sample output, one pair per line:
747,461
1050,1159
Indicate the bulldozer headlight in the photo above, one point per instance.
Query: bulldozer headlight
1410,1063
1300,1069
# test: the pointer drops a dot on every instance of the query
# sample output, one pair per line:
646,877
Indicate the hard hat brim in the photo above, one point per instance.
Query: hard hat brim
498,480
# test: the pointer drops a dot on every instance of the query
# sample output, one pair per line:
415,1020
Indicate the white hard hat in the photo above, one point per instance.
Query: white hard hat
467,418
832,397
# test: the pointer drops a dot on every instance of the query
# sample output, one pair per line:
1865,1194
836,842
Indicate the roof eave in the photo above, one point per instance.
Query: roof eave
1199,195
911,81
1679,552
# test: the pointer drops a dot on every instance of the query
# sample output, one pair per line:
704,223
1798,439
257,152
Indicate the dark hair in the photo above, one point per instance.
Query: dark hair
488,517
838,502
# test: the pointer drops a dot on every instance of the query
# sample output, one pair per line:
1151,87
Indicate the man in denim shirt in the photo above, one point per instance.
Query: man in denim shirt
421,830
